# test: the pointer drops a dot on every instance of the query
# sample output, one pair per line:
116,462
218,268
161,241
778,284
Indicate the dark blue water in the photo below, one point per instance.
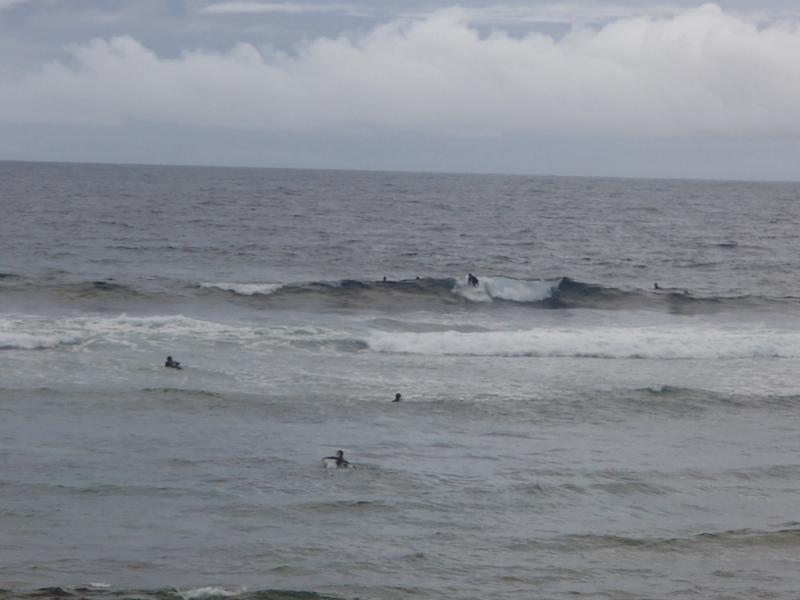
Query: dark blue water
565,428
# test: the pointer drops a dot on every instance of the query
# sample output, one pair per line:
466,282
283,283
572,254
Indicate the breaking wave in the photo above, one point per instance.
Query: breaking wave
509,289
28,341
443,293
440,294
245,289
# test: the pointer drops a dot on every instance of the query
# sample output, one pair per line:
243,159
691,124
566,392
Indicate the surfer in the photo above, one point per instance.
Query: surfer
472,280
172,364
339,461
397,397
655,286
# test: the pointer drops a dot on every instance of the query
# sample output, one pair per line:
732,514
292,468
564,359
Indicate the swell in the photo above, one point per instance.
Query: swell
785,537
442,294
104,288
104,591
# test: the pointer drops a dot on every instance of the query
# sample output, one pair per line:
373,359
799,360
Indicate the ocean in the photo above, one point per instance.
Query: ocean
567,429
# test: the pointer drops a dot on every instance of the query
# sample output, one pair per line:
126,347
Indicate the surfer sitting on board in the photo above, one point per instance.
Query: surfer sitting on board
172,364
472,280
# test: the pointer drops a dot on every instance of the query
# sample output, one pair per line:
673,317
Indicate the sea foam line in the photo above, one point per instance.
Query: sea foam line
33,332
598,342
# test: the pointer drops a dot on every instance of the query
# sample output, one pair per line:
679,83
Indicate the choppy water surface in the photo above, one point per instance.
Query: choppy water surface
566,430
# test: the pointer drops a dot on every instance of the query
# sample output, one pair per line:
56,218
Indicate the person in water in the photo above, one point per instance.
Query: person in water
655,286
472,280
397,397
172,364
341,461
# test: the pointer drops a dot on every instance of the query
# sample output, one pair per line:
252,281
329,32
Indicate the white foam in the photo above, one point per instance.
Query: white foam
98,586
29,332
506,288
659,342
210,592
26,341
245,289
331,463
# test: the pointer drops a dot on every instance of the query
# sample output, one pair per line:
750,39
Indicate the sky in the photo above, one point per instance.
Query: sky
576,87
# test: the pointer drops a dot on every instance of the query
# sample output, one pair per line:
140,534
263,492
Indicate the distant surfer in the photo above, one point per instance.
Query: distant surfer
338,461
397,397
172,364
655,286
472,280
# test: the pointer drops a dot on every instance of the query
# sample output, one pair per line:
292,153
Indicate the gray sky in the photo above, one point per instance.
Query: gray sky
667,89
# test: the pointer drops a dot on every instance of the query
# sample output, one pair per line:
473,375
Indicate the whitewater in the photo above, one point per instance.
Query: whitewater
567,427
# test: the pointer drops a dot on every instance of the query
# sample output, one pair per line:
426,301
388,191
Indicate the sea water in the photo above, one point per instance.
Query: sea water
565,430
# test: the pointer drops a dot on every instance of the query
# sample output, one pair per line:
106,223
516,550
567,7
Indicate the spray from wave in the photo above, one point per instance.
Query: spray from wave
245,289
508,289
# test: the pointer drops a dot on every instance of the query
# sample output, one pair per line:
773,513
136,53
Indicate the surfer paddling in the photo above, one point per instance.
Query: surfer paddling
172,364
337,462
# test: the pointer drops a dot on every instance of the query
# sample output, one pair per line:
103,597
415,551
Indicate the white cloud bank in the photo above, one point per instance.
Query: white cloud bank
699,71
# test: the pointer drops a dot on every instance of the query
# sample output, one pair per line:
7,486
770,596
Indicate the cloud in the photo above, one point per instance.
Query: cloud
561,12
224,8
699,71
592,12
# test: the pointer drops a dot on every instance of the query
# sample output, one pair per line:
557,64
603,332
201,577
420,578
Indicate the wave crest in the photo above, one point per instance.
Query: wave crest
508,289
244,289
